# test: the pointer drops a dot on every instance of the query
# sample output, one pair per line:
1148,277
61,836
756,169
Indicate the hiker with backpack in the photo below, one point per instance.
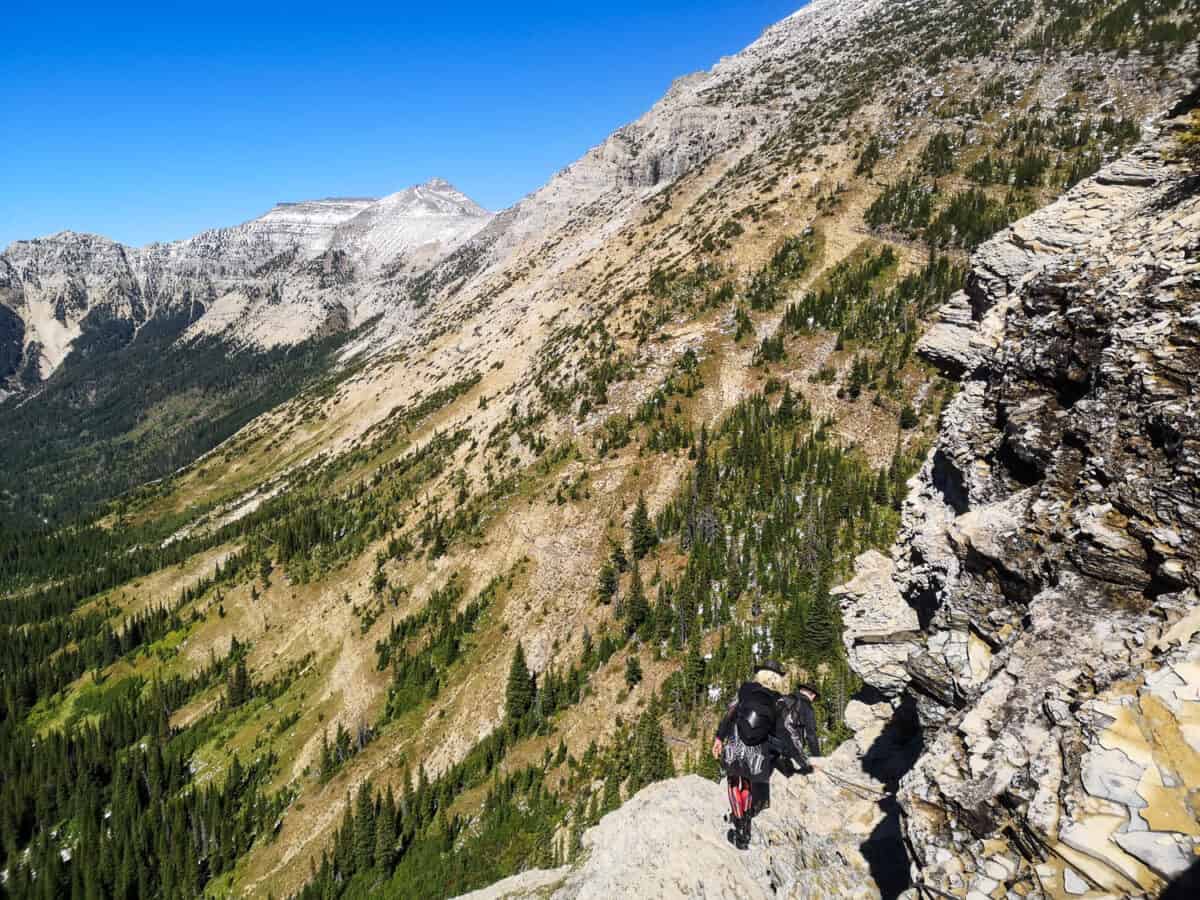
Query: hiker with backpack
764,729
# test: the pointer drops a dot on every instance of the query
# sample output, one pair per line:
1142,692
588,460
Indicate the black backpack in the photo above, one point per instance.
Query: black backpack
755,713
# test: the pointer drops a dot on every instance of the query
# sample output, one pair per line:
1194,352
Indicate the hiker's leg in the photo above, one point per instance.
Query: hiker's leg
760,792
740,801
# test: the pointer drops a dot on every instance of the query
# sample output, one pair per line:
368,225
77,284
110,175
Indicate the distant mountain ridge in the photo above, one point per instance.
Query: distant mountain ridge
252,284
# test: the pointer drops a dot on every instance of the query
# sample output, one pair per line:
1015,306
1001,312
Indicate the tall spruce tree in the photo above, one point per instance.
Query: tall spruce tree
642,536
364,829
633,670
651,760
238,687
607,588
619,559
385,833
637,607
518,695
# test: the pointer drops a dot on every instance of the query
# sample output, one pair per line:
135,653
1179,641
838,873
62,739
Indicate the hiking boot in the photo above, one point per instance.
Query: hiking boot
739,835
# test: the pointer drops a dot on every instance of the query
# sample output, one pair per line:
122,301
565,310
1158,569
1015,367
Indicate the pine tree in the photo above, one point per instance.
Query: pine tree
238,686
518,695
608,583
664,616
619,559
633,670
385,833
637,608
706,765
327,765
651,759
693,673
612,793
642,536
821,631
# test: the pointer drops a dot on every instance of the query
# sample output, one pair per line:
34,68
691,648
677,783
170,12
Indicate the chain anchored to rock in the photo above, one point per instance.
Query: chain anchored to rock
872,793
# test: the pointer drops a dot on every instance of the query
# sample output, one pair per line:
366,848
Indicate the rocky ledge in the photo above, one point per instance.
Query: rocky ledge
1040,614
829,834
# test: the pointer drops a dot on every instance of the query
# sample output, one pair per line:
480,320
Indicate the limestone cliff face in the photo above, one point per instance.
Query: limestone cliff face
298,271
1041,613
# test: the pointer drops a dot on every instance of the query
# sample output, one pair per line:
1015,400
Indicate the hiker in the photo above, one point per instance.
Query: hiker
764,729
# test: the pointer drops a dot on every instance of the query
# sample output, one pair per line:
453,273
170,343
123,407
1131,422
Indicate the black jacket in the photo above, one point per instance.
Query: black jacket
795,733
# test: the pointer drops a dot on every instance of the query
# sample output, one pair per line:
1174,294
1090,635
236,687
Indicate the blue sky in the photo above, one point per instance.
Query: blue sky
151,122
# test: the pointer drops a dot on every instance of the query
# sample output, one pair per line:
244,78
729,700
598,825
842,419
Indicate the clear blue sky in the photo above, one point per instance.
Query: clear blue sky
153,121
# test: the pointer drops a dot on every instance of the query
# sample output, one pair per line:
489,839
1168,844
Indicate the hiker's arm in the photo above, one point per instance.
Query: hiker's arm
809,721
724,730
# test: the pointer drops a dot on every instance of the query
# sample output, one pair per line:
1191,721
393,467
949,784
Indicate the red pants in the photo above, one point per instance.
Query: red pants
748,798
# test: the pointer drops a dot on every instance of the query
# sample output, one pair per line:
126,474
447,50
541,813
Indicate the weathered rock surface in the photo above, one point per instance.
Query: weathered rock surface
1051,551
881,630
821,838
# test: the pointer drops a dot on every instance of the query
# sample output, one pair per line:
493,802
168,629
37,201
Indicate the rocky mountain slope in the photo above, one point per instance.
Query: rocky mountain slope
1037,629
622,439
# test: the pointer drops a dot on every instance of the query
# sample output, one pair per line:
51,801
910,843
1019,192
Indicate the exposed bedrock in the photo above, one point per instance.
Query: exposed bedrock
1040,611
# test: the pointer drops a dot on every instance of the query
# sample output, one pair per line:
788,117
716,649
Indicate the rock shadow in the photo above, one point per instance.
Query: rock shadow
891,755
1185,887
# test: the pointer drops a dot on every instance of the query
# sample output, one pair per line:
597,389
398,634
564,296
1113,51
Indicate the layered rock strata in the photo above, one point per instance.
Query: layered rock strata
1050,553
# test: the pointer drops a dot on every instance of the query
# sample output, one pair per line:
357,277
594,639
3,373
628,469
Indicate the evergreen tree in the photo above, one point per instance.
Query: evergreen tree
518,695
619,559
238,687
612,792
633,670
327,765
706,766
693,673
664,616
608,583
364,829
821,631
385,833
642,536
637,608
651,759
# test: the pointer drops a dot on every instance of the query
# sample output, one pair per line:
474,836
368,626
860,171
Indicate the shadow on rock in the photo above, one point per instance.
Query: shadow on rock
1185,887
890,755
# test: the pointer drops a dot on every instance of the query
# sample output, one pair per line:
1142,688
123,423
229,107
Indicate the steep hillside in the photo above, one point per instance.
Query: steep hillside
493,566
1036,630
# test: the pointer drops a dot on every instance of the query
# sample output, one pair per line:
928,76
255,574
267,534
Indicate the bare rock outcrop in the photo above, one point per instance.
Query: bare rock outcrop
1051,553
825,835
